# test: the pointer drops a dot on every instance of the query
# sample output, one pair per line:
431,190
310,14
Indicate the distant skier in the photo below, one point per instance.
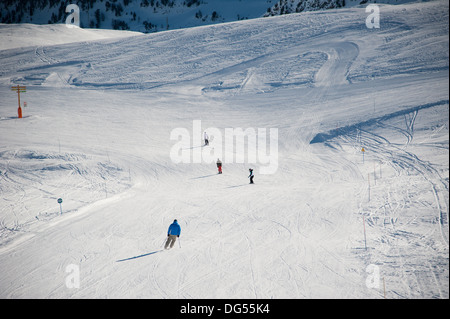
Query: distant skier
206,139
251,175
172,234
219,166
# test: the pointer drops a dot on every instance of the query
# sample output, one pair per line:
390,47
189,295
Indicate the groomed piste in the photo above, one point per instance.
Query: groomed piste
332,221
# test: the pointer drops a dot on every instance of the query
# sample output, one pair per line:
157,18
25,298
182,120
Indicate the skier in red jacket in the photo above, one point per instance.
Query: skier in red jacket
219,166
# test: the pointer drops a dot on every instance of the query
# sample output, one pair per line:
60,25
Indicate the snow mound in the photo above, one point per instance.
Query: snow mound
13,36
32,180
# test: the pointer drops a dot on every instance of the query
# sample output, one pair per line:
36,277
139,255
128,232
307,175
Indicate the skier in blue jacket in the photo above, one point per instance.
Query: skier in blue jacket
172,234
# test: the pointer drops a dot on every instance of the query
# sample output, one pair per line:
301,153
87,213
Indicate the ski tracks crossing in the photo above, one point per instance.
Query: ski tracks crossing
393,212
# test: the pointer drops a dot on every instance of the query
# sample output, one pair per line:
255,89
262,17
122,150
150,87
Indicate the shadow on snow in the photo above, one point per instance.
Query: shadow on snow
140,256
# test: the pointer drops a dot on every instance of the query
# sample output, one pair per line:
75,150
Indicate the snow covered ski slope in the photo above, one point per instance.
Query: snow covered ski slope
100,131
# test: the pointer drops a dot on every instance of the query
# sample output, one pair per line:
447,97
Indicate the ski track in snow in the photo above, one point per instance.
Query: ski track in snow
396,208
97,134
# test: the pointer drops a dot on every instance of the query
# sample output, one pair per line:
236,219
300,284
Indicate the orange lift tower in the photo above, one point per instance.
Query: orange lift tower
19,89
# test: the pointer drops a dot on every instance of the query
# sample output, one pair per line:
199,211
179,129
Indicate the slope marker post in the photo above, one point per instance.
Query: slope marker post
365,238
19,89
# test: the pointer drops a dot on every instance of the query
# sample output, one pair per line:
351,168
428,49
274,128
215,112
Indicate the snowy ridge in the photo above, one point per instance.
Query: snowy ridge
27,35
324,137
97,133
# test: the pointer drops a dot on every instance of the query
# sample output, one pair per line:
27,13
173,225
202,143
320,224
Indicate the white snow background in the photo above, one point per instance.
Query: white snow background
101,106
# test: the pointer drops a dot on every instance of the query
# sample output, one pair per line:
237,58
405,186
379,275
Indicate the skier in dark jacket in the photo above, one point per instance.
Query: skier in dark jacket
206,138
172,234
251,175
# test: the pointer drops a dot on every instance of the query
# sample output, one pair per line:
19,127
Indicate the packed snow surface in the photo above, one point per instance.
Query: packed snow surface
331,221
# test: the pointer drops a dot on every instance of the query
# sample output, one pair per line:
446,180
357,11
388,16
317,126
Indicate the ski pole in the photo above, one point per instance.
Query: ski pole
179,242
